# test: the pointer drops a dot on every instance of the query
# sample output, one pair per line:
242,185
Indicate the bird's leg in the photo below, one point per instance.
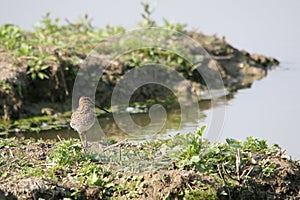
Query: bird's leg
83,140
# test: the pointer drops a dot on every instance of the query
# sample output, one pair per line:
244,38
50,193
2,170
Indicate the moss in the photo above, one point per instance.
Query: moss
202,194
34,124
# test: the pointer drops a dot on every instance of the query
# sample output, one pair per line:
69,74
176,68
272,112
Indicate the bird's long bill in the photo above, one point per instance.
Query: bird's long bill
102,108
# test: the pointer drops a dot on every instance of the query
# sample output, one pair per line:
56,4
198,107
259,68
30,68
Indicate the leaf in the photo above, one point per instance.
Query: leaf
203,128
195,159
253,161
46,76
33,76
106,179
44,67
4,175
41,75
200,130
93,179
111,184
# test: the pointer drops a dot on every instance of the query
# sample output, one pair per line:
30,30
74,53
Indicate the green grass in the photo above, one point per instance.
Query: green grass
66,162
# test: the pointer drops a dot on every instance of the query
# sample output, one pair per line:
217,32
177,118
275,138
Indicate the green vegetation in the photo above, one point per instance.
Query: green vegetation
72,39
45,61
35,124
207,170
53,47
184,167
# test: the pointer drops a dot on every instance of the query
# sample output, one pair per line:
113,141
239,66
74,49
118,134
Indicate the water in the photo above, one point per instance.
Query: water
270,108
164,128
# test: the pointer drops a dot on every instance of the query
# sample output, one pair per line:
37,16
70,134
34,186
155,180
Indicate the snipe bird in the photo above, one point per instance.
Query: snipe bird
84,118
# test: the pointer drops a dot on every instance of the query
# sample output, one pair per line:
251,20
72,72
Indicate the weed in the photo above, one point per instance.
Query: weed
11,37
268,168
8,142
208,193
146,15
68,153
230,164
37,69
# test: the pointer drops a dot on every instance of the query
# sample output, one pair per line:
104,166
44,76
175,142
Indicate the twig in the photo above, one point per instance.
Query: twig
27,57
120,154
114,145
3,156
47,164
59,138
237,164
223,167
64,81
189,186
220,173
245,177
222,57
61,71
249,171
11,153
9,162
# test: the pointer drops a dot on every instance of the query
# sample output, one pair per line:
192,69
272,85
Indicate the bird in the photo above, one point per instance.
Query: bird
84,118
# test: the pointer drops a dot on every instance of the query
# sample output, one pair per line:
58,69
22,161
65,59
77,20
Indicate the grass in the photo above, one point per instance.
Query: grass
232,166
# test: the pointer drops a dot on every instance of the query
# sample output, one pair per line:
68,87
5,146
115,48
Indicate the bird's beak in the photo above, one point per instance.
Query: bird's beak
102,108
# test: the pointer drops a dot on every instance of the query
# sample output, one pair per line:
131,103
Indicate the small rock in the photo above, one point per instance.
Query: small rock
50,112
285,157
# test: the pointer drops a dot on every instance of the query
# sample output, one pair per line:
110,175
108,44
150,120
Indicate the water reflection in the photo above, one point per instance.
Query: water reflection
175,122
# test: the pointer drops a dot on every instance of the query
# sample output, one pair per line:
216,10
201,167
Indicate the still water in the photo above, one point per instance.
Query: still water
268,110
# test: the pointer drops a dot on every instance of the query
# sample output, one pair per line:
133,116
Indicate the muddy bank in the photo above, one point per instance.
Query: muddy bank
230,170
38,69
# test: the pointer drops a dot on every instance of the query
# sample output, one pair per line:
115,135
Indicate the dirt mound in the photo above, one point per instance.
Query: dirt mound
38,72
13,77
32,170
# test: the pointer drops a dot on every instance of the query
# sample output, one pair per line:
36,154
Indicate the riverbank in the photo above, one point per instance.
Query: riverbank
39,68
183,167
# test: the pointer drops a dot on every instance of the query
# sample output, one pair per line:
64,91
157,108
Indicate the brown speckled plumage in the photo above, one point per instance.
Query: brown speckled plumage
83,118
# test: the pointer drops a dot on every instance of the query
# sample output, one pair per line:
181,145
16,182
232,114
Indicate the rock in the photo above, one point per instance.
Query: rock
254,71
50,112
245,53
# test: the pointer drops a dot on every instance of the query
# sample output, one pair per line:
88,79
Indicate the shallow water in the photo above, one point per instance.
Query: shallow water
107,126
269,110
